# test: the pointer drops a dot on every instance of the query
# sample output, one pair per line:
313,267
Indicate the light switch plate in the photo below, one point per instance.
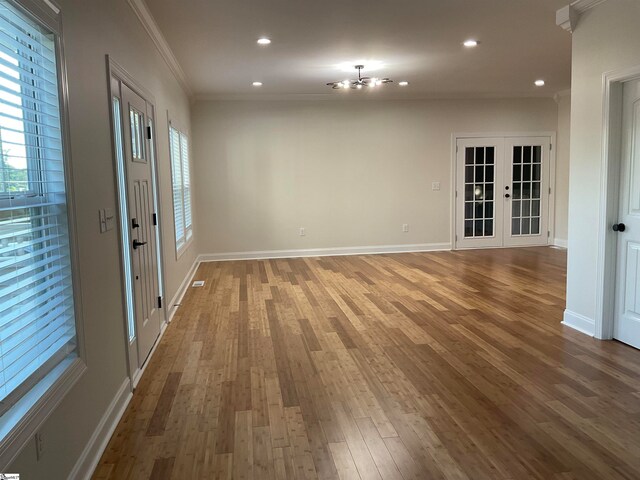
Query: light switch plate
103,220
109,218
435,186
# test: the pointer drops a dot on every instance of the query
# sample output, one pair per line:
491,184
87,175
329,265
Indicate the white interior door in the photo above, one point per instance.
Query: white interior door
526,191
502,191
627,309
137,115
480,177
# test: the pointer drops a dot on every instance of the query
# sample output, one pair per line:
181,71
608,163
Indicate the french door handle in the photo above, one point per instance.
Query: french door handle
619,227
506,195
137,244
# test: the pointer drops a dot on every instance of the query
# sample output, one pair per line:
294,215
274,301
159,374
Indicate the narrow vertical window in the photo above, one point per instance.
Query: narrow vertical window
181,183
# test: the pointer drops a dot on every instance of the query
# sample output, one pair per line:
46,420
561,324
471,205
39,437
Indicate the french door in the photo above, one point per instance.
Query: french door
627,305
502,191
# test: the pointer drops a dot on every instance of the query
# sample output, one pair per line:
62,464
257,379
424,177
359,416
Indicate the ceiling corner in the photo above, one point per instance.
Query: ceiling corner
148,22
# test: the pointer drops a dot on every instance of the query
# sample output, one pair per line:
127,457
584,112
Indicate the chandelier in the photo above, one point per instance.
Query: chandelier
360,83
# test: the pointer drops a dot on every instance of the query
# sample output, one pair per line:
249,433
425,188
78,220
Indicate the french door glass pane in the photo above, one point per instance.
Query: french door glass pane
526,189
479,178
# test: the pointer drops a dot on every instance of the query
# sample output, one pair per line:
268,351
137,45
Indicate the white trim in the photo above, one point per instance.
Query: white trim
568,16
52,6
332,95
88,461
137,375
148,22
324,252
41,401
560,242
579,322
582,6
608,211
177,298
561,94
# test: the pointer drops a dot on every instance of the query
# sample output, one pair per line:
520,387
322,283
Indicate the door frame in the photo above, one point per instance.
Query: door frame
115,71
612,85
454,172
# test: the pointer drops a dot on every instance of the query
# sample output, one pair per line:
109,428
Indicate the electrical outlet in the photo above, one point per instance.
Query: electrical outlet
302,232
39,446
405,227
435,186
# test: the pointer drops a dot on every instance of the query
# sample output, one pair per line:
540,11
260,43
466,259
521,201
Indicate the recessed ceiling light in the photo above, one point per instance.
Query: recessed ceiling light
539,83
404,83
470,43
257,84
264,41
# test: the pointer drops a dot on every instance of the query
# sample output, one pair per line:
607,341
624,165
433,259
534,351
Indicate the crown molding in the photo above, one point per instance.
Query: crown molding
562,94
148,22
337,97
567,17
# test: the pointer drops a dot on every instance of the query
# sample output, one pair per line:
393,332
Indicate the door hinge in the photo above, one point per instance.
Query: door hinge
549,190
548,233
550,146
456,148
155,219
456,194
148,133
159,302
456,237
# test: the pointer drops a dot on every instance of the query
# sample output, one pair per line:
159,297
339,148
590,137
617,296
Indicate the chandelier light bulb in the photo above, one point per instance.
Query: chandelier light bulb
359,82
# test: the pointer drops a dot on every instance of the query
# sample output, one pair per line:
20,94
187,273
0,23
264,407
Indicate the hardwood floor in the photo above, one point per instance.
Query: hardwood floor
446,365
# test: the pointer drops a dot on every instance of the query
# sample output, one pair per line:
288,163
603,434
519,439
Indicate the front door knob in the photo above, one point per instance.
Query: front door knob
506,195
619,227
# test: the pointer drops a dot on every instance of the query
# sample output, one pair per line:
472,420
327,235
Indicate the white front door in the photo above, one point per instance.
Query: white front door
627,309
142,219
502,191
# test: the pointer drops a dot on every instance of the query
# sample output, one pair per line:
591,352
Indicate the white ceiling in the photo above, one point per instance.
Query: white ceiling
417,40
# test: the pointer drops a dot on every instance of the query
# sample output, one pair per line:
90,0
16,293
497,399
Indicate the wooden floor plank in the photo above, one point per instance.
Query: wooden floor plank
445,365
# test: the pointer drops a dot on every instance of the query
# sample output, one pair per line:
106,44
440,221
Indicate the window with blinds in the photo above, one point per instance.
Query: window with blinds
37,320
181,180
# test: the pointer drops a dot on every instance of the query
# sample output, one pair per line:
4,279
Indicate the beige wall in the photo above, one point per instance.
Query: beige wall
93,28
607,38
349,172
562,169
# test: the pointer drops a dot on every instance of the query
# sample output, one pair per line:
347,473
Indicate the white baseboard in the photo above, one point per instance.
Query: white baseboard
140,371
579,322
560,242
90,457
177,298
88,461
323,252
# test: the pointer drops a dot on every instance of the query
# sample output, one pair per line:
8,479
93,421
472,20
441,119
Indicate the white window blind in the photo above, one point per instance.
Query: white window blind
37,321
181,187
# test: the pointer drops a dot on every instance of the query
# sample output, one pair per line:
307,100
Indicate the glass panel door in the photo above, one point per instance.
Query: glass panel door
527,171
479,177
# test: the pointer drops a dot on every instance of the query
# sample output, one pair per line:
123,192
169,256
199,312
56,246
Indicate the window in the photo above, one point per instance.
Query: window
37,316
181,187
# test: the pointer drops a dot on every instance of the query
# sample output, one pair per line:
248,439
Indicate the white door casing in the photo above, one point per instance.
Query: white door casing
627,296
137,115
